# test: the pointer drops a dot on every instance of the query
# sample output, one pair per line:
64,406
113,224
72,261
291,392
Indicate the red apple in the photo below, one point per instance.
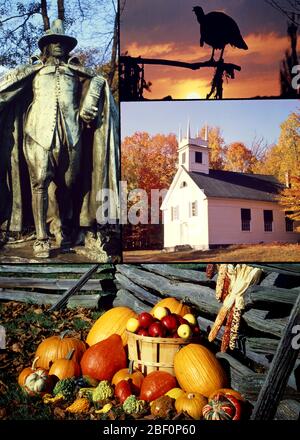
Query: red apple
145,319
143,332
182,320
157,330
170,323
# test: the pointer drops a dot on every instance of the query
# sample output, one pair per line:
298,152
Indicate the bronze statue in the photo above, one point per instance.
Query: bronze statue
58,144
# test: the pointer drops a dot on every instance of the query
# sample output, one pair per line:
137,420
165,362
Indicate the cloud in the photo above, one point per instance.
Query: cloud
259,75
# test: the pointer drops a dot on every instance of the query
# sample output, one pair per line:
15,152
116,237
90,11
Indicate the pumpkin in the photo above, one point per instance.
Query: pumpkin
38,382
67,367
198,370
102,360
136,376
173,305
27,371
174,393
223,407
156,384
192,404
58,347
111,322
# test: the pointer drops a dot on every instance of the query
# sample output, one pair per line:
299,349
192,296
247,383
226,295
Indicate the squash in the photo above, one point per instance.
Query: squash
102,360
67,367
198,370
156,384
79,406
192,404
174,393
111,322
136,376
173,305
123,390
27,371
163,407
226,391
223,407
38,382
58,347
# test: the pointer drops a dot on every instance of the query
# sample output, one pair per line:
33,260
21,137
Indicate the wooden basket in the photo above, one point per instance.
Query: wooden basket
153,354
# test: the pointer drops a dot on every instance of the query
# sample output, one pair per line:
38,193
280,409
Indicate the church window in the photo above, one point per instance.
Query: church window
198,157
289,223
194,209
174,213
183,184
183,156
268,220
246,219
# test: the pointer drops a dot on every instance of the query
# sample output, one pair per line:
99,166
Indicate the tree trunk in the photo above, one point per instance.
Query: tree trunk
61,9
44,11
113,62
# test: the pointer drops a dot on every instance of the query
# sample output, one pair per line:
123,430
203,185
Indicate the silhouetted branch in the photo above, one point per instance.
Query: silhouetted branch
192,66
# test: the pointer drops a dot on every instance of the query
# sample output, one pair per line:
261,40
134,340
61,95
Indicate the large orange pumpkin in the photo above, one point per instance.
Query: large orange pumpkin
156,384
198,370
111,322
104,359
58,347
173,305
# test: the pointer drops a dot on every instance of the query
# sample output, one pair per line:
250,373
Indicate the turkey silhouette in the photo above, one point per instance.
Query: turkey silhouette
217,30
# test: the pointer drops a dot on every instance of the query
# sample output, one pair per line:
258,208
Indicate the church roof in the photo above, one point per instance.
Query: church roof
227,184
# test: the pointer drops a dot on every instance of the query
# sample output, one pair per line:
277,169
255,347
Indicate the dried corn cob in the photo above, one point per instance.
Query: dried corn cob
226,336
220,281
210,270
234,332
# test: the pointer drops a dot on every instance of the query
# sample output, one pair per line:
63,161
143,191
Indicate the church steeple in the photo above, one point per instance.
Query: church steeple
194,152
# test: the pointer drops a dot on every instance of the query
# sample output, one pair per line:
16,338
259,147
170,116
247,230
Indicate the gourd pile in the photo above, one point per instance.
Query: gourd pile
94,374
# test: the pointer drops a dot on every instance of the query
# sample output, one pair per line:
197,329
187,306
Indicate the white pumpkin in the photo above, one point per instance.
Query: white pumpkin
37,382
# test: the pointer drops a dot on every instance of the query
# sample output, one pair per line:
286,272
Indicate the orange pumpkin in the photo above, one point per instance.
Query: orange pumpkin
136,376
104,359
173,305
58,347
27,371
67,367
192,404
111,322
198,370
156,384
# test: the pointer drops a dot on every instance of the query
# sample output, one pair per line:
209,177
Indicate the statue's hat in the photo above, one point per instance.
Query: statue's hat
57,34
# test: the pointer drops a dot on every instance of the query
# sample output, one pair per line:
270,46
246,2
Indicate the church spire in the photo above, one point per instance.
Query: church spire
206,132
188,132
179,134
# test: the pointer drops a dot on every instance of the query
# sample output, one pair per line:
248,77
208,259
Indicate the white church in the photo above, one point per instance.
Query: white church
207,208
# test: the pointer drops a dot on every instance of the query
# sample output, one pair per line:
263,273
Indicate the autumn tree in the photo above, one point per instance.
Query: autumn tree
285,155
238,158
216,146
290,199
148,162
94,23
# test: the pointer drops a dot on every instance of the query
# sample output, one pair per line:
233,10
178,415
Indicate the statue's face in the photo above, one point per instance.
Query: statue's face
58,50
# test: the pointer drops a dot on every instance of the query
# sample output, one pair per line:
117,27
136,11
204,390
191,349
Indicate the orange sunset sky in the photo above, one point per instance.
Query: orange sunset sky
169,29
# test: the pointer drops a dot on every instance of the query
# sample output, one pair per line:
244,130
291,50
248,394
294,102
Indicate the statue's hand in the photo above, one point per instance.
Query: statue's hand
88,114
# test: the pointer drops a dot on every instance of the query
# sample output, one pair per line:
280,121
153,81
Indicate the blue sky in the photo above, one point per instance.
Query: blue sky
239,120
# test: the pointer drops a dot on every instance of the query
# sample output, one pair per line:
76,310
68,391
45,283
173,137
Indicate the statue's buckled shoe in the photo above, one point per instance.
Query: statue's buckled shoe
41,249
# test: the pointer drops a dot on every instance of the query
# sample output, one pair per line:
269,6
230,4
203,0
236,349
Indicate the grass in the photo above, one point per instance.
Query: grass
273,252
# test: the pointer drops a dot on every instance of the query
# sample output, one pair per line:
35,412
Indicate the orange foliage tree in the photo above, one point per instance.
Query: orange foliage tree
290,199
238,158
148,162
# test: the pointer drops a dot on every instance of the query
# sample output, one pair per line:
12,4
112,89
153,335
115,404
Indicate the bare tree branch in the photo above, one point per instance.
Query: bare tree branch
44,11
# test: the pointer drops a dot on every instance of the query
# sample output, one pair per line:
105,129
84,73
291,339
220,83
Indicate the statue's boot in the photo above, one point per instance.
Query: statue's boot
41,247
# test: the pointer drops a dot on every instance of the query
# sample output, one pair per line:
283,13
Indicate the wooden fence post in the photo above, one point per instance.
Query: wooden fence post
280,370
